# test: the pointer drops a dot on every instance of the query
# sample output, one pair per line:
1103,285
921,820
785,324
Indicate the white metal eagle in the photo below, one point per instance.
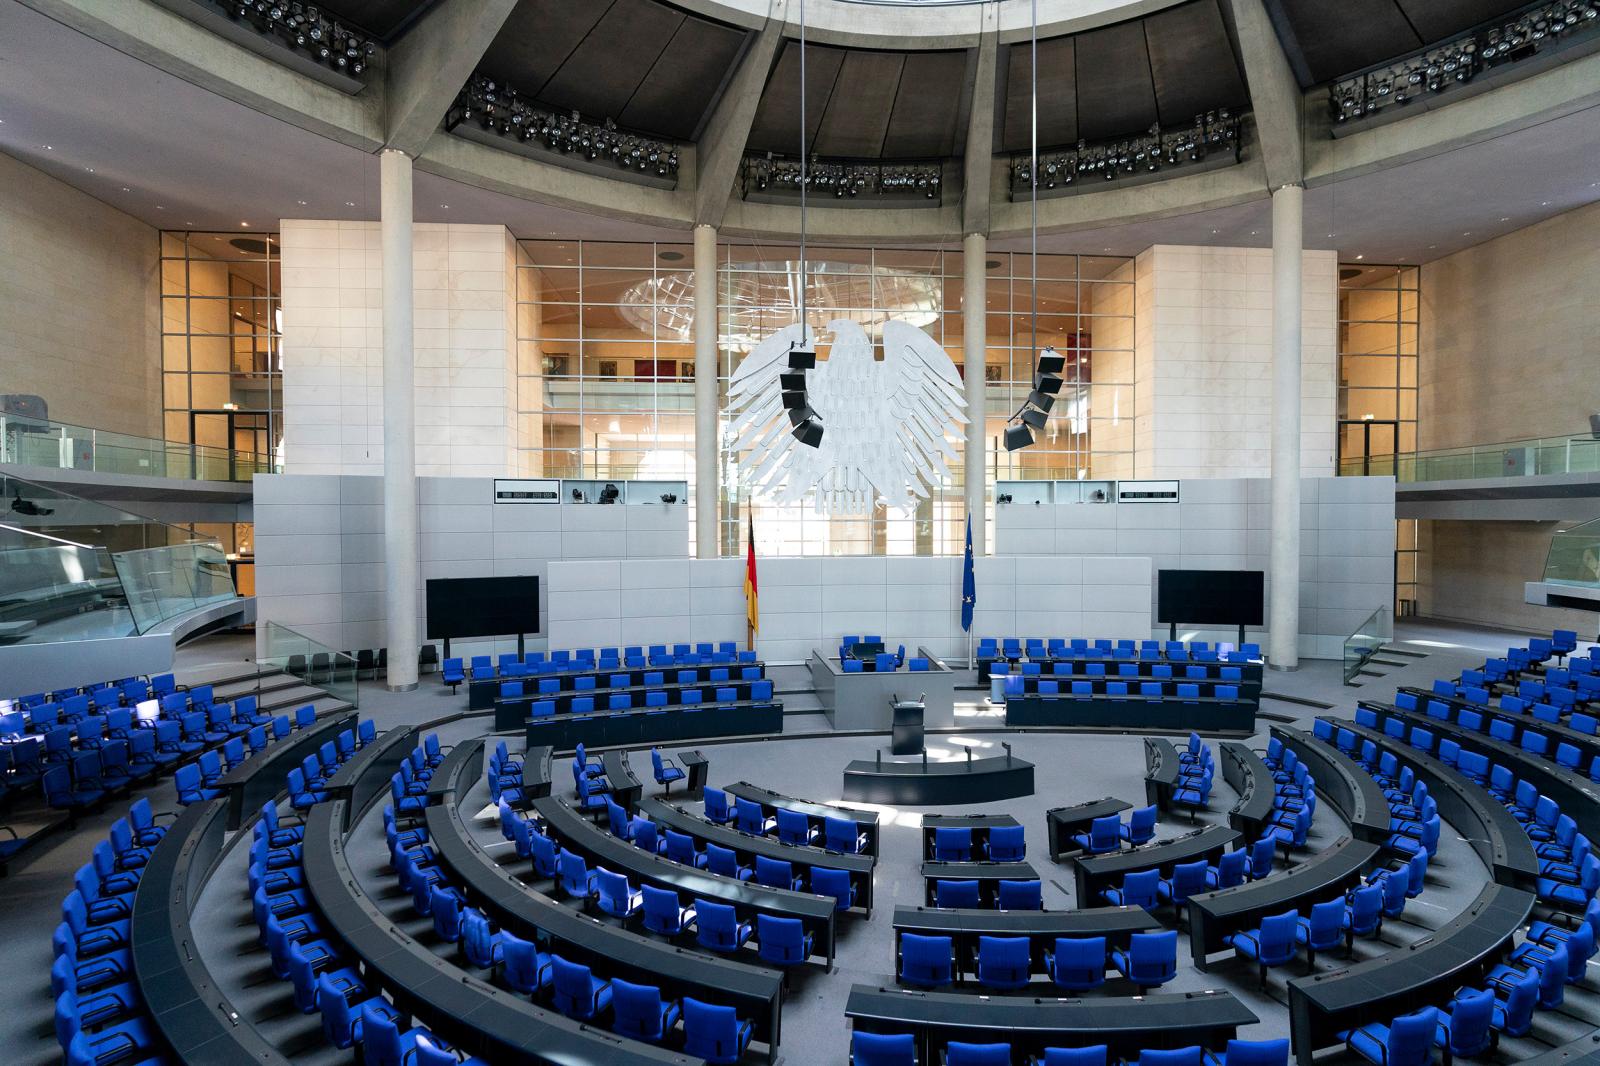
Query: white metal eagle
884,422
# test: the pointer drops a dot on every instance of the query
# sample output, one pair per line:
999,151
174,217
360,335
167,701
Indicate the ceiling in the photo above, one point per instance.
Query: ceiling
1119,80
647,65
177,156
384,19
1326,39
865,104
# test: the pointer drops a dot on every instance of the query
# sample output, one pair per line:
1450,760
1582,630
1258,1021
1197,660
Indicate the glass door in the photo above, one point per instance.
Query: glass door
1367,446
220,437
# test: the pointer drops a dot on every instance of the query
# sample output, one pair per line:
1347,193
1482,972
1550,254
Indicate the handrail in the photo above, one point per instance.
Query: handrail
1376,630
28,441
1529,457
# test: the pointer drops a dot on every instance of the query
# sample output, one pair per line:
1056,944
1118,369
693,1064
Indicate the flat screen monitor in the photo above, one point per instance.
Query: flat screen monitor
147,711
482,607
1210,597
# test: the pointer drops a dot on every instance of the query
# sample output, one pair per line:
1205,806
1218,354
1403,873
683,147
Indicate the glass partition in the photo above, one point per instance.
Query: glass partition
76,569
1574,557
62,446
316,664
1516,458
1364,643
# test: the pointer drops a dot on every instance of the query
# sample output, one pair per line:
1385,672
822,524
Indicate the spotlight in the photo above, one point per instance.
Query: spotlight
28,507
669,497
1004,497
1017,437
609,494
577,495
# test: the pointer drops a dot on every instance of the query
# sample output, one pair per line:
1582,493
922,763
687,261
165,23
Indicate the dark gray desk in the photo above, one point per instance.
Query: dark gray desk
261,777
937,784
1162,772
1584,1051
1324,876
1341,782
1132,714
538,772
1096,872
1247,775
694,765
1077,665
1458,953
192,1013
964,926
816,813
1493,832
599,847
655,725
804,858
625,786
980,824
366,775
511,711
473,1015
613,951
987,874
862,701
1062,822
1127,1025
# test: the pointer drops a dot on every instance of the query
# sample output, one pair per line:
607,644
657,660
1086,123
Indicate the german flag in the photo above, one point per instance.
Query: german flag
752,613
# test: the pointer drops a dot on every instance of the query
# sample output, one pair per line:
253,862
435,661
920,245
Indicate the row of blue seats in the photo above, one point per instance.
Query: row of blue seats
104,695
624,701
710,1031
1016,685
99,1015
1125,670
633,657
1014,649
326,980
885,662
196,782
1535,974
900,1049
549,686
791,827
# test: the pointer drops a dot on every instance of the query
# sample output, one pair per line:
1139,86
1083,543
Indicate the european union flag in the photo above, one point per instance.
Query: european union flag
969,587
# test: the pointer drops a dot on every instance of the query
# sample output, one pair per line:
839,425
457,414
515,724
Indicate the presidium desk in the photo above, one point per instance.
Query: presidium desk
862,701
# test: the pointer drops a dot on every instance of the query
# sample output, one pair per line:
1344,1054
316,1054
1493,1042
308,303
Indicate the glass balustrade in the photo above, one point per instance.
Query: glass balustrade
37,442
1364,643
76,569
1520,458
312,662
1574,557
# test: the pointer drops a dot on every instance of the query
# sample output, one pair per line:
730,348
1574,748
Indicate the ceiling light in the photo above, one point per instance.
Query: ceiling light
245,225
1360,257
445,206
89,169
125,188
349,203
49,147
302,203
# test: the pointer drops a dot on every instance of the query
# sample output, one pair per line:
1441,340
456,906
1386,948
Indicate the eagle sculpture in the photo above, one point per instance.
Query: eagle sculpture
885,421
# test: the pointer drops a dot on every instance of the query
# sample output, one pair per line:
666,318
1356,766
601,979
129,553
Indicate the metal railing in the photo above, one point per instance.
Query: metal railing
63,446
1363,644
1542,456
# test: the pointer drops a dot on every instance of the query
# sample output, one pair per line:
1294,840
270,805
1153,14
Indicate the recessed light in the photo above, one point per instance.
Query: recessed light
445,206
246,225
1255,233
1213,233
1360,257
349,203
302,203
1330,234
1467,234
125,189
89,169
1544,203
160,208
1505,218
49,147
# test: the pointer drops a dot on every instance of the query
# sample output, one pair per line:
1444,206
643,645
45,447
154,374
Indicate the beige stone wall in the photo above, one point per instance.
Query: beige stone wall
79,304
1510,344
1474,572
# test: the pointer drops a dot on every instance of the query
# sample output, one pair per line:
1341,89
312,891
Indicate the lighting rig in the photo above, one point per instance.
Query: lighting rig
306,28
843,180
1536,30
1210,133
499,109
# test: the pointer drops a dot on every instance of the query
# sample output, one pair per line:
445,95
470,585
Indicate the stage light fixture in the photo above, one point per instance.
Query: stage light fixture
1212,131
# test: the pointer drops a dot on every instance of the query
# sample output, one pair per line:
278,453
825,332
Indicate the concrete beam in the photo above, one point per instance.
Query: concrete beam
428,66
727,131
176,45
1275,97
977,188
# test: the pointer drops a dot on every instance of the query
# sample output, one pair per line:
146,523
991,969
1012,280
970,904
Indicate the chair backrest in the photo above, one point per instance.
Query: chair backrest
955,894
1139,888
718,920
952,844
1028,895
1006,843
1411,1036
1154,953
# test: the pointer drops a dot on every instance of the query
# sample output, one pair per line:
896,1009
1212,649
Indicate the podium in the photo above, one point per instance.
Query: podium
906,728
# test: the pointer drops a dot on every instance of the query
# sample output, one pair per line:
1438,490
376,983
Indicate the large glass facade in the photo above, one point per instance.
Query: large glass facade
1377,366
606,368
220,340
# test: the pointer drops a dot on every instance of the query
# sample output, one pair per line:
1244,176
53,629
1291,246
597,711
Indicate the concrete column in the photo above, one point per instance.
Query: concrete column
1283,615
400,569
706,487
974,344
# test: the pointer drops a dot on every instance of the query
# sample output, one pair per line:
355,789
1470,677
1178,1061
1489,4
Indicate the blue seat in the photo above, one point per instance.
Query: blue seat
778,873
1093,1055
1141,827
1077,963
576,992
1188,879
1192,1055
681,849
1020,895
1003,962
1273,944
782,941
1230,869
843,835
882,1049
666,771
615,896
1323,930
836,883
1466,1027
795,828
716,806
926,961
1407,1041
1104,835
716,1034
663,913
1007,844
952,844
577,879
717,927
1138,889
1255,1053
1151,959
725,862
956,894
958,1053
639,1012
749,817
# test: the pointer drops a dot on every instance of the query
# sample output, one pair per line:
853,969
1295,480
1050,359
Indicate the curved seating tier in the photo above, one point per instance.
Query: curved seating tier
817,814
1357,796
964,927
1094,873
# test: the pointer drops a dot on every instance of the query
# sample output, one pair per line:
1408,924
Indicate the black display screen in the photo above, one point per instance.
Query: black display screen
482,607
1210,597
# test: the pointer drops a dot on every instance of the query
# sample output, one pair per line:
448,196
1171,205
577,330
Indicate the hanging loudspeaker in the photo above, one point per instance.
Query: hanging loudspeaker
1034,417
1050,362
1018,437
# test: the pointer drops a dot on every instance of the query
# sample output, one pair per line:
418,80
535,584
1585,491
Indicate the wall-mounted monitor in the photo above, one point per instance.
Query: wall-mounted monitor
1210,597
482,607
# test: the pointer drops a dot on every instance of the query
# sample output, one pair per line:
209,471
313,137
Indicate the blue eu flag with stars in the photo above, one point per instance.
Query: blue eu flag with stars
969,587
